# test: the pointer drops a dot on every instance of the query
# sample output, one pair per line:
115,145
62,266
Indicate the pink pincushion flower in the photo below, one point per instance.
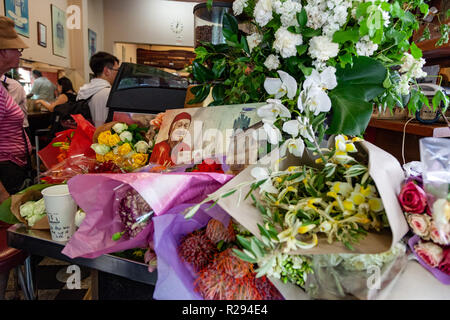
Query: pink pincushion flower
412,198
430,253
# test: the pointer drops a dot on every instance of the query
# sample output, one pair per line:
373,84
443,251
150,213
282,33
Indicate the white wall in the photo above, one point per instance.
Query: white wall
40,11
147,21
95,22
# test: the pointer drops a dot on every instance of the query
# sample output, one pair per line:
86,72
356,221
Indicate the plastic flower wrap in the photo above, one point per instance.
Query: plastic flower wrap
355,276
425,200
33,211
124,145
196,261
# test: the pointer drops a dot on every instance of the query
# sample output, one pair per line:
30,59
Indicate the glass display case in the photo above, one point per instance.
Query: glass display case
145,89
208,22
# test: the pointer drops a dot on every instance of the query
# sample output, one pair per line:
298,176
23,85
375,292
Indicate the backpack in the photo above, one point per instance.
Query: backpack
61,118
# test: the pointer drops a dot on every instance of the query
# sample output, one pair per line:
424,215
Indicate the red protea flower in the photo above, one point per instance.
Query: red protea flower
267,290
197,249
227,278
216,231
226,262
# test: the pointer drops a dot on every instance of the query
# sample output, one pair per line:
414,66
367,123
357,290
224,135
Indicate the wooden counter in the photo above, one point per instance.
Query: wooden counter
388,135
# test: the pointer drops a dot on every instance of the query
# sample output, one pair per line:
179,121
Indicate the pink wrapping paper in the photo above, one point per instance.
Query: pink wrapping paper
94,193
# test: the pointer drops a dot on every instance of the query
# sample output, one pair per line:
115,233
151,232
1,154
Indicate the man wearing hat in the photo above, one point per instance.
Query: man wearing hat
14,143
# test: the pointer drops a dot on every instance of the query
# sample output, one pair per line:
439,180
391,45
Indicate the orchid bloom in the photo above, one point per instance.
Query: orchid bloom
279,87
273,109
273,133
314,95
301,125
295,146
263,173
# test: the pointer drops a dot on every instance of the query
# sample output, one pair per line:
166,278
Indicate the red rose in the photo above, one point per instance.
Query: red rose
208,166
430,253
444,266
412,198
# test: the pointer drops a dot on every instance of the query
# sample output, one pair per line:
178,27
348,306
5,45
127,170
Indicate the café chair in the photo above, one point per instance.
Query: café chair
10,258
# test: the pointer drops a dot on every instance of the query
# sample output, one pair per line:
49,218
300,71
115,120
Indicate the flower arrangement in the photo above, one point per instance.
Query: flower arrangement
337,58
221,275
124,146
433,246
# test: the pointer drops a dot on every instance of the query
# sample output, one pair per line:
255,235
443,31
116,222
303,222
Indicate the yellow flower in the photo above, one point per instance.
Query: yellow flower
124,149
139,159
278,180
103,138
319,161
349,205
109,156
290,169
113,140
367,191
100,158
362,218
376,205
305,229
357,198
356,139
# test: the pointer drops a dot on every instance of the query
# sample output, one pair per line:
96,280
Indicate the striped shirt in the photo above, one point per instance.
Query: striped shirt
12,145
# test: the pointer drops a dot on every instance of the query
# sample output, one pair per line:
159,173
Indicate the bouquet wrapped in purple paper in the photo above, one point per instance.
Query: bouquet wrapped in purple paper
120,207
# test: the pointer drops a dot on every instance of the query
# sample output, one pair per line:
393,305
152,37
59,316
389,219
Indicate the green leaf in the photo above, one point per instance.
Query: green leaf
346,35
209,4
219,67
230,23
192,211
244,45
351,114
309,32
302,17
5,212
439,98
228,194
241,255
218,92
415,51
201,73
302,49
424,8
201,95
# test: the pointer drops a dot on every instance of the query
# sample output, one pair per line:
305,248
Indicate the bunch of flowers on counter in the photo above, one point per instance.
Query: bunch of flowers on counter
124,146
221,275
433,247
338,201
317,56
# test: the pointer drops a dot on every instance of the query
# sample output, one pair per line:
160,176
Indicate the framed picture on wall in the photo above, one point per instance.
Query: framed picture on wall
92,44
42,34
18,11
59,32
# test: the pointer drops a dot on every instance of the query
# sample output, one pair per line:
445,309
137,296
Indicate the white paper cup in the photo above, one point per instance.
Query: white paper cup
61,210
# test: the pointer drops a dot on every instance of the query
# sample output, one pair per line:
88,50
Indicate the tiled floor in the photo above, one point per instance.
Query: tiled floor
51,276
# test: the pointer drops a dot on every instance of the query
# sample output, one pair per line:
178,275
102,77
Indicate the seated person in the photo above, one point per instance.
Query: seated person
66,94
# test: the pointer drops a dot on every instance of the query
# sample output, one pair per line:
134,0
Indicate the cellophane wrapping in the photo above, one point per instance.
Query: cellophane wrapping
355,276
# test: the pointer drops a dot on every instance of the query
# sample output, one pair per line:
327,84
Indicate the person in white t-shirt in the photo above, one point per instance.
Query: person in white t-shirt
105,67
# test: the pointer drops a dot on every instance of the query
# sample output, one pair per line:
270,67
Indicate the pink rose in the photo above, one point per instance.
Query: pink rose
420,225
444,266
430,253
440,235
412,198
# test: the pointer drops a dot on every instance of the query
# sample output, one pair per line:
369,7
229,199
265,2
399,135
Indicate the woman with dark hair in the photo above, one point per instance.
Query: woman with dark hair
66,94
